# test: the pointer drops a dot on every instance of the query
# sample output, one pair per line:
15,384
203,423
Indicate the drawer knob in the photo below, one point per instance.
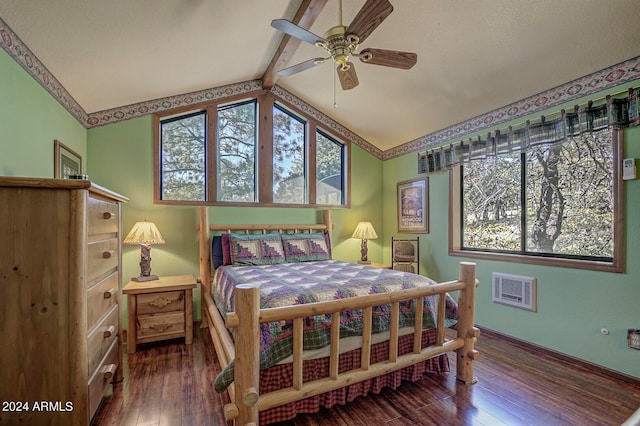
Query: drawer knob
108,370
108,332
107,254
108,215
108,294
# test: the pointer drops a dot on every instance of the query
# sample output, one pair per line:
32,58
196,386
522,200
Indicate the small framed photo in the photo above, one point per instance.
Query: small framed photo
66,161
413,206
633,338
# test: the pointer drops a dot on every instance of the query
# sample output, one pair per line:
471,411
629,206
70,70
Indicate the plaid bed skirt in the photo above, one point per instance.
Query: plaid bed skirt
281,376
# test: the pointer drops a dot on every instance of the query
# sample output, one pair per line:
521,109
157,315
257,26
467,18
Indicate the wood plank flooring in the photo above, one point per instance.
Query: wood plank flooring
171,384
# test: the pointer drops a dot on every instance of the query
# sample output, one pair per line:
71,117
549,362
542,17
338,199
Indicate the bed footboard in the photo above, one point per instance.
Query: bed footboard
246,402
245,407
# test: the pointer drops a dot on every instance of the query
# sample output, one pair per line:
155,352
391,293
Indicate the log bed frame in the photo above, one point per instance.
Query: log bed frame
243,393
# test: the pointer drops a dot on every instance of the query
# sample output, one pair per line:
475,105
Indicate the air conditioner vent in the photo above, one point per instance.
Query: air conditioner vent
514,290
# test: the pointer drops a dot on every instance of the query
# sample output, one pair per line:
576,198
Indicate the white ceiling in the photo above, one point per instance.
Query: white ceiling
473,55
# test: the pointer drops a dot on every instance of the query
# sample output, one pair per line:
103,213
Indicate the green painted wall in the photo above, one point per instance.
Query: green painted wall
573,305
30,120
121,159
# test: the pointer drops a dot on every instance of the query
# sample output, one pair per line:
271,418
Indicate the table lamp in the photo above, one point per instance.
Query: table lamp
365,232
144,233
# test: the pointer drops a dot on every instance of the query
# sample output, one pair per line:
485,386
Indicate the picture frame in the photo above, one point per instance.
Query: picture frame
413,206
66,162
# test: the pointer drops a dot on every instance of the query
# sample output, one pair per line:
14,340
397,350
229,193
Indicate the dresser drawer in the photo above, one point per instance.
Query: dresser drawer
102,217
102,256
101,338
100,298
155,303
102,376
160,326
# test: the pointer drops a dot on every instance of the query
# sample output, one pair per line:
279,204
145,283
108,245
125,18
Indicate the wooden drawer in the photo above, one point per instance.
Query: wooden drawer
102,217
156,303
101,338
160,326
102,376
102,256
100,298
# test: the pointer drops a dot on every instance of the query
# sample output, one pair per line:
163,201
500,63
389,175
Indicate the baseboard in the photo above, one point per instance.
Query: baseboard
564,357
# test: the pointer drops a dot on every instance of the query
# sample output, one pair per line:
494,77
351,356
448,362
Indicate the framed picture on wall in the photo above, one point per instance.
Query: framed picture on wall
413,206
66,162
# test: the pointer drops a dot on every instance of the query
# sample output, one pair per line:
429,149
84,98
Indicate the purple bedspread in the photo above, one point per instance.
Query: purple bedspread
306,282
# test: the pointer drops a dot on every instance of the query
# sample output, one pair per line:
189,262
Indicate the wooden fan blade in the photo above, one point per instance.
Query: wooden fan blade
295,31
389,58
300,67
369,17
348,78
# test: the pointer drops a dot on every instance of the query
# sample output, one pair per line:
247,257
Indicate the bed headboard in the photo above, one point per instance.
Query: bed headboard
205,229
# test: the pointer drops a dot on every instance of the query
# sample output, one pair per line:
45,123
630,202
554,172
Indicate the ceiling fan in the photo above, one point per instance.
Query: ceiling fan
342,43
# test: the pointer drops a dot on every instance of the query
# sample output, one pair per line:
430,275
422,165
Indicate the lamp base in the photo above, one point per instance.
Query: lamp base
145,278
364,259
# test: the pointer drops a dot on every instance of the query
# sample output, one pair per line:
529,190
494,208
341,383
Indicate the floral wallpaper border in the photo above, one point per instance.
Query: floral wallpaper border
605,79
12,44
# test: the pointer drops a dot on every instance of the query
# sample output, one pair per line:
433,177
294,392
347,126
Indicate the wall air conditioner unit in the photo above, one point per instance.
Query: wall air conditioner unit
514,290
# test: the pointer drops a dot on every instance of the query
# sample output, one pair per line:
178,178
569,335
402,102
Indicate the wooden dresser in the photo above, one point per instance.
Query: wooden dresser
60,275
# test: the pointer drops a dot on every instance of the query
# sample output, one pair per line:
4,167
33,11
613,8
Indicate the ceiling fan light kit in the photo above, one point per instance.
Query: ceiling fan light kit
341,44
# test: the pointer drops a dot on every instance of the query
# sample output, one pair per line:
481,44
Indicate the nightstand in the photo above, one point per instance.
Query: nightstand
160,310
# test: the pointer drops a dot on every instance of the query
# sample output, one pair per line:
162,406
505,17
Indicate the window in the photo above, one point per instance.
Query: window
236,152
182,153
491,203
251,152
289,159
329,170
551,204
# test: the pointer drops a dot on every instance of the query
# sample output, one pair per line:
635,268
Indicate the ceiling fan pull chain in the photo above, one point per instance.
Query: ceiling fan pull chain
335,104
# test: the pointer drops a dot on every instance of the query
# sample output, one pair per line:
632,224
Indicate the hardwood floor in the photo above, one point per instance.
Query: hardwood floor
171,384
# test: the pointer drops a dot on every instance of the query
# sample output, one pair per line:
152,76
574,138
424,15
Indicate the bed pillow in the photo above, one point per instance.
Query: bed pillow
216,251
220,251
306,247
258,249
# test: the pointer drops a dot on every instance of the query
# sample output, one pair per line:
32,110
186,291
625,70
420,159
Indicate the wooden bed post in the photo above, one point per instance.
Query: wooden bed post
205,259
466,328
328,221
247,362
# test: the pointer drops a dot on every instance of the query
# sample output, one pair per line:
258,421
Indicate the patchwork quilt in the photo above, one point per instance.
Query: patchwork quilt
289,284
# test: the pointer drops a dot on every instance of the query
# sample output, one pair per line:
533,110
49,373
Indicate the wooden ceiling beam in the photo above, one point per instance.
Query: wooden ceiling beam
305,17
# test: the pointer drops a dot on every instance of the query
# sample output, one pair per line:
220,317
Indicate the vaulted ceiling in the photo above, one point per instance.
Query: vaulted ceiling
473,55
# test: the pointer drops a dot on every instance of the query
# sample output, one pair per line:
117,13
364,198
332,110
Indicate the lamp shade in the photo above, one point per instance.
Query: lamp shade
144,233
365,231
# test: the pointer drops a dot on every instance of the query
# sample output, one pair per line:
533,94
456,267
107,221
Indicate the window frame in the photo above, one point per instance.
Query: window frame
264,121
213,148
305,149
617,263
172,119
344,166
